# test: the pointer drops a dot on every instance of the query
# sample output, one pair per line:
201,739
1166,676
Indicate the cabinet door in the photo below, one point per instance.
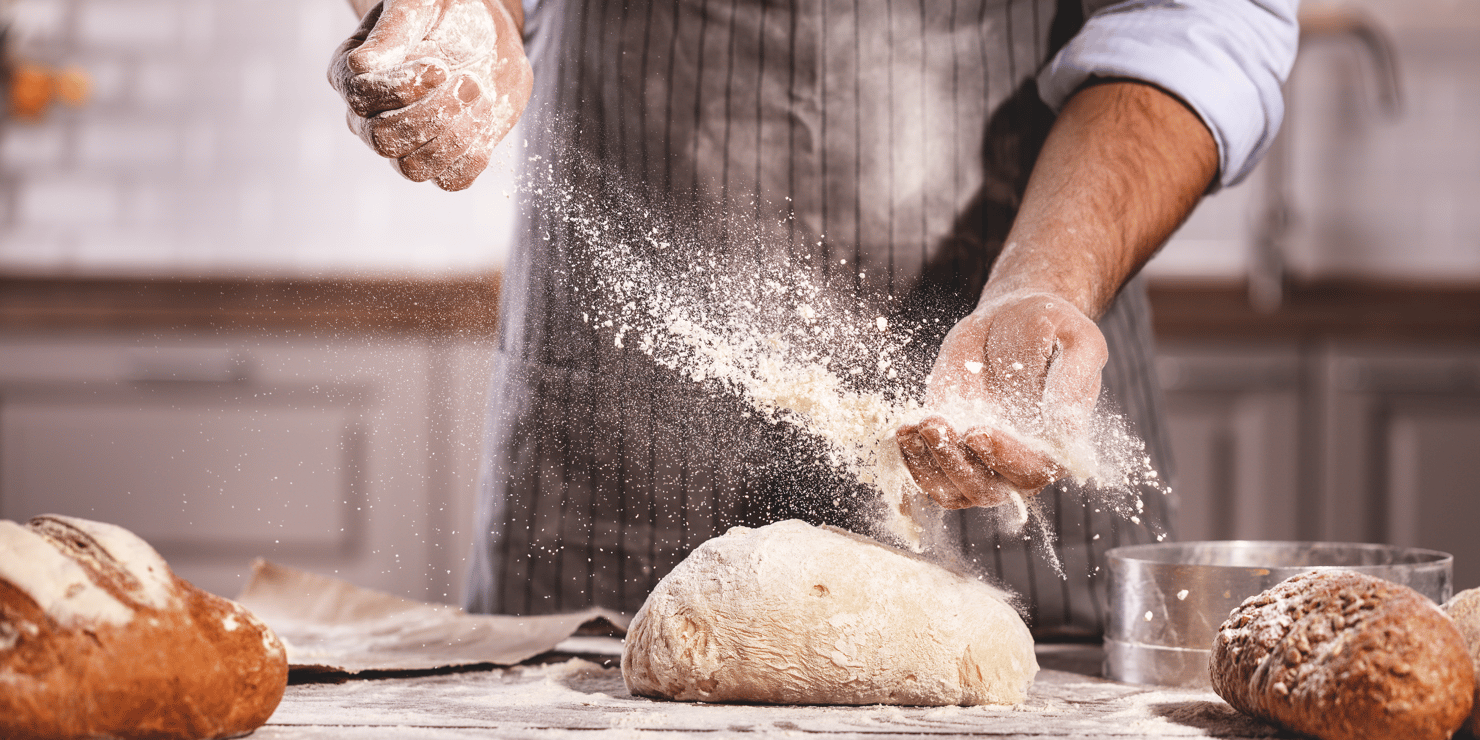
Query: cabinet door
1404,454
1234,416
202,473
352,458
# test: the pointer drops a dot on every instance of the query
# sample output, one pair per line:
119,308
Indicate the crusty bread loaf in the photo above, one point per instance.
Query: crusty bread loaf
1464,609
1345,656
98,638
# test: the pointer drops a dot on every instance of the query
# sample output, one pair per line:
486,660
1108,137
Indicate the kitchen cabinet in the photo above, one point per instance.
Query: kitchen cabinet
337,426
1233,416
353,456
1402,455
1361,441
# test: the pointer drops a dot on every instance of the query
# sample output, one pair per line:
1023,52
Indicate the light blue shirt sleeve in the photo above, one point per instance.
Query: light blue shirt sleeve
1226,59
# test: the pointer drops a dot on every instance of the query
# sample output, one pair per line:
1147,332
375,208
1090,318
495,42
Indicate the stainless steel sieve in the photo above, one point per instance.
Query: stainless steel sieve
1167,600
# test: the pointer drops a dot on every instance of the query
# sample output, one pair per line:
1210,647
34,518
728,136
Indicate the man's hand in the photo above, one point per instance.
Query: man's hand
1124,164
1035,360
435,84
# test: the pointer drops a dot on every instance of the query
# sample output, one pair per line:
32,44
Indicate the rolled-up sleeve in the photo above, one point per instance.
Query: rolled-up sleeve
1226,59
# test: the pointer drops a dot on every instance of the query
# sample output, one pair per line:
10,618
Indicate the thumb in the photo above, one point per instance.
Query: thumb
402,23
1072,386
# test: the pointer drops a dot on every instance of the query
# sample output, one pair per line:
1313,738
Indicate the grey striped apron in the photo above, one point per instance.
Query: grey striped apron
892,138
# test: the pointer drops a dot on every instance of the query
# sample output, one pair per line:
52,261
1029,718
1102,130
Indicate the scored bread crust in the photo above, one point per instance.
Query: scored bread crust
172,662
1345,656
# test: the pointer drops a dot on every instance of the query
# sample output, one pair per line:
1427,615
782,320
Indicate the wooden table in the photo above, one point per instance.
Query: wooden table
580,698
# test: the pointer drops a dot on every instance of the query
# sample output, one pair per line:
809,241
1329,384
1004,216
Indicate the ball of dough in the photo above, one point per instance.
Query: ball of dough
98,638
794,614
1345,656
1464,609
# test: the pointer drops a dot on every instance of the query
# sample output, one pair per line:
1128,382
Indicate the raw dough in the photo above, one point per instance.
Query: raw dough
1339,655
1464,609
793,614
99,639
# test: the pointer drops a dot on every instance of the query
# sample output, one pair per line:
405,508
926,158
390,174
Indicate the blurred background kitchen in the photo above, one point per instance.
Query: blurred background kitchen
228,326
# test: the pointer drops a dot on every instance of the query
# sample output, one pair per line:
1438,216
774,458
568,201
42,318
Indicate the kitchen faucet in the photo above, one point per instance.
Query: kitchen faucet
1267,273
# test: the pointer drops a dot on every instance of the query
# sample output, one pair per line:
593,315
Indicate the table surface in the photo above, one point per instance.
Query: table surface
581,698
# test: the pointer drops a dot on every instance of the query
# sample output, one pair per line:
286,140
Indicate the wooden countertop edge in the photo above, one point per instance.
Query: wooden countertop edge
462,306
468,306
1346,310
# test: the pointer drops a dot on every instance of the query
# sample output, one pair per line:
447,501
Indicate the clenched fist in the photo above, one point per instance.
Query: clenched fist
435,84
1032,358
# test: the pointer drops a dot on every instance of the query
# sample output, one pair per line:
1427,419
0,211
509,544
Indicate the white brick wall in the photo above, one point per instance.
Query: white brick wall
124,26
213,146
60,202
213,139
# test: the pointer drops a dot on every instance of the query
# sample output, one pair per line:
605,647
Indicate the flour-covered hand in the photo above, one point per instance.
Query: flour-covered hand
434,85
1033,360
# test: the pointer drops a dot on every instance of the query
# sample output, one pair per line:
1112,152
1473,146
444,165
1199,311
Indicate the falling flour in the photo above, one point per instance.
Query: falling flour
768,330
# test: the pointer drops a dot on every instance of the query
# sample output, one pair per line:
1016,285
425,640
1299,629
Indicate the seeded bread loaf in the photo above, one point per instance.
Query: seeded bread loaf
1345,656
1464,609
98,638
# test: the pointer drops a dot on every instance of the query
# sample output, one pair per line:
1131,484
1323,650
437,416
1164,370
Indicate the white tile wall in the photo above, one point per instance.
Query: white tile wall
212,145
1374,197
63,201
213,139
130,25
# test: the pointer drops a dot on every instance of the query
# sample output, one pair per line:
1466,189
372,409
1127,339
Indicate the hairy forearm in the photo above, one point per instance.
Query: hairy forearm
1123,166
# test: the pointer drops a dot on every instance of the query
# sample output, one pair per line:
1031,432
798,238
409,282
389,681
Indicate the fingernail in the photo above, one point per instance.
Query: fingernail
980,442
363,60
467,90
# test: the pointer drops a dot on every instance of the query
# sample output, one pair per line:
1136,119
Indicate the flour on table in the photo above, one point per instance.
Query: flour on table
795,614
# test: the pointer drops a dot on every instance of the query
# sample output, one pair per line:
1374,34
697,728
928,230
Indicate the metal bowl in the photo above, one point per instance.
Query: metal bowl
1168,600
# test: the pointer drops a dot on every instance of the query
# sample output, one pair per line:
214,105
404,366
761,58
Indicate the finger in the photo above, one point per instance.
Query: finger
1072,384
400,24
506,102
922,467
971,478
1010,458
402,131
958,366
433,158
450,148
465,170
998,491
339,69
396,87
1019,350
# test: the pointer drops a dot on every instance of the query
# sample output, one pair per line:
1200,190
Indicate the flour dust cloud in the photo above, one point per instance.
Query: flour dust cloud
769,326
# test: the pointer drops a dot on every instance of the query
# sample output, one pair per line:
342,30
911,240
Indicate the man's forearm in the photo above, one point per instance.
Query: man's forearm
1123,166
